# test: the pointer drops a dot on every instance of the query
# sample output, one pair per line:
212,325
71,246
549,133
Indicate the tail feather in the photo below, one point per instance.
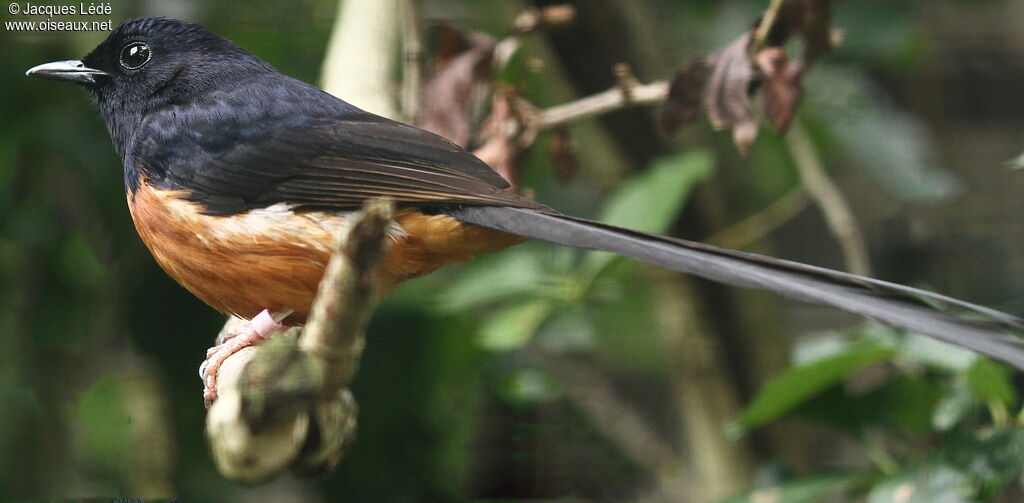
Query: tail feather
888,303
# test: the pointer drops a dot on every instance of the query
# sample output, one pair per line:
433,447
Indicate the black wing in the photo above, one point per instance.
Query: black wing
332,162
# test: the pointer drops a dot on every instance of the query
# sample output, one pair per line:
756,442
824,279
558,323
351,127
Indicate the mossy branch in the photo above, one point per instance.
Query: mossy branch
285,404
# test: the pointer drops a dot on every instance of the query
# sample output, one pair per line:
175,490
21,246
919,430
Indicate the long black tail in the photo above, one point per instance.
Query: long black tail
888,303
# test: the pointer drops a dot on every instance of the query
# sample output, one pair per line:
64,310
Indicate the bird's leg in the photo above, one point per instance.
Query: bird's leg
262,326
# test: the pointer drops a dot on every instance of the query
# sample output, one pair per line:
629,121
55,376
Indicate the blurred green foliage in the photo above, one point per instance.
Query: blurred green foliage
905,398
531,289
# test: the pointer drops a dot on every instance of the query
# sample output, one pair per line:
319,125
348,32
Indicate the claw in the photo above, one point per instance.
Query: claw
262,326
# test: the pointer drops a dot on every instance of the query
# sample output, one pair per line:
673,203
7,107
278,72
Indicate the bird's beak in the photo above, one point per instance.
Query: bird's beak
69,71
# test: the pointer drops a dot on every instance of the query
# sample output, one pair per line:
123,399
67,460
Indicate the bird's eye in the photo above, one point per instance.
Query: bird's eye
135,55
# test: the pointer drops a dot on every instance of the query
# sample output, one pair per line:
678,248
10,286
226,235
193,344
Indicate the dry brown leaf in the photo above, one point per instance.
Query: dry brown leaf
719,82
463,63
727,95
499,150
501,155
782,85
450,42
686,93
723,81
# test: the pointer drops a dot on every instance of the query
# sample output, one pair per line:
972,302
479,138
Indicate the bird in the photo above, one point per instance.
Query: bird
239,179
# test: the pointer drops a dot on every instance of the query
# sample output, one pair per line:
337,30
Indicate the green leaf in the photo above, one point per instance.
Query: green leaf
650,201
809,490
812,348
893,147
529,386
991,457
839,411
927,351
952,409
932,484
570,329
517,272
908,403
79,264
1017,163
991,382
514,326
514,70
796,385
105,419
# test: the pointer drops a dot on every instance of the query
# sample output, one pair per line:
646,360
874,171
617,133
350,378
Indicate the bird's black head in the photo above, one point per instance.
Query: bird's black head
151,62
156,59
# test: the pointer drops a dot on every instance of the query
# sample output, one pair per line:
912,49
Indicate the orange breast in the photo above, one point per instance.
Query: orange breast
273,258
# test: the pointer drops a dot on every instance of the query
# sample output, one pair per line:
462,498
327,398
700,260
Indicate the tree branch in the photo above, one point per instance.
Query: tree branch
617,420
764,27
530,21
285,403
412,63
601,103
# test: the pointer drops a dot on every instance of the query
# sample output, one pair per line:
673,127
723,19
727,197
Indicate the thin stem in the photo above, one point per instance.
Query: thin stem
616,419
879,456
765,26
603,102
412,64
830,199
755,227
1000,413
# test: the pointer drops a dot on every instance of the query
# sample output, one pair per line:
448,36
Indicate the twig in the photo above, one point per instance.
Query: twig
704,389
830,199
284,404
529,121
751,229
535,19
603,102
618,421
765,26
530,21
412,69
625,80
509,130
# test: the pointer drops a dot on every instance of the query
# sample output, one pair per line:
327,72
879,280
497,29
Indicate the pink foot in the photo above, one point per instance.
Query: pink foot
262,326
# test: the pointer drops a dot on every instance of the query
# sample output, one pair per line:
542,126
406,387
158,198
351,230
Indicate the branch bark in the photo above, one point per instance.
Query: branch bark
285,403
706,395
613,99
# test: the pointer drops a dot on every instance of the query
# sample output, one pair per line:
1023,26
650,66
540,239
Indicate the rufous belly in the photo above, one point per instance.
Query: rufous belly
273,258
